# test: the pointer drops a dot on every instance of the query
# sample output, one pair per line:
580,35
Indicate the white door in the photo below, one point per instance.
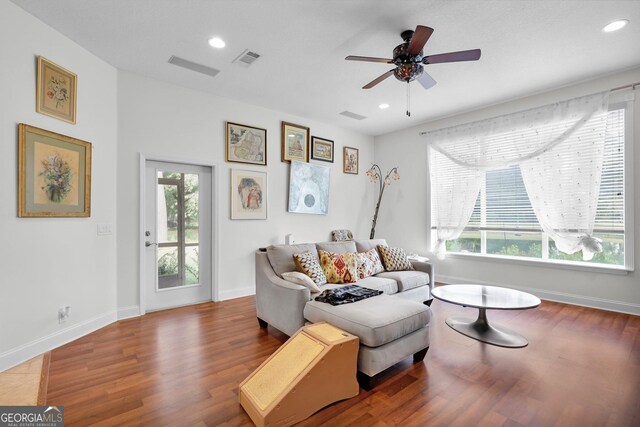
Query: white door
177,228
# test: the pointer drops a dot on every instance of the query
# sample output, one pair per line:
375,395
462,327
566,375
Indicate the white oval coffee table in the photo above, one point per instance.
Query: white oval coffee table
486,298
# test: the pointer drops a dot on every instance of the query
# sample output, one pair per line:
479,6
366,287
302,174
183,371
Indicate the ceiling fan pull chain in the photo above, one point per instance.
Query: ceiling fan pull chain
408,100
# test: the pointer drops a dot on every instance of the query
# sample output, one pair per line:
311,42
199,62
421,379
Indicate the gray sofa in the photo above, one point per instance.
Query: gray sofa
390,326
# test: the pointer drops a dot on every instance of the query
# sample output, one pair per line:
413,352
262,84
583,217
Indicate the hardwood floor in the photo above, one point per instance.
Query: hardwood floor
183,366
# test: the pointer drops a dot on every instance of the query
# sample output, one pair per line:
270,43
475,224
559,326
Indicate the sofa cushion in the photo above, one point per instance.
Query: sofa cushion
367,245
376,321
337,247
369,263
388,286
339,268
308,264
405,279
281,256
394,259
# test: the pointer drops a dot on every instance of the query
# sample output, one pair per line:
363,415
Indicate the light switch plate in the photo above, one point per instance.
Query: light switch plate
104,229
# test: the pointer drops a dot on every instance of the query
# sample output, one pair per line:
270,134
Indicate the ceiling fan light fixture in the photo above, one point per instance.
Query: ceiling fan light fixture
615,25
383,106
217,42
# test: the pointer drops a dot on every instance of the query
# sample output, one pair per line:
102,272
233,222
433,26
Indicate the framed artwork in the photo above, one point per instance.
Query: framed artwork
321,149
248,194
351,160
309,188
246,144
56,91
295,142
54,174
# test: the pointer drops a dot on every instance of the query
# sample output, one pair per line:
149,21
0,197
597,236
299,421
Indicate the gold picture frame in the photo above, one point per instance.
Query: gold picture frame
350,160
295,142
56,91
54,174
246,144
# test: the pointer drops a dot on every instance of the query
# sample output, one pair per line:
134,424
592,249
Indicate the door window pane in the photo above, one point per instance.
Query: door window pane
192,265
178,229
168,268
167,213
191,206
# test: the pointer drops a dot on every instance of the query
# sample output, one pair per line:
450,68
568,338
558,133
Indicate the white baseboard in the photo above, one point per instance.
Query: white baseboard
128,312
581,300
21,354
236,293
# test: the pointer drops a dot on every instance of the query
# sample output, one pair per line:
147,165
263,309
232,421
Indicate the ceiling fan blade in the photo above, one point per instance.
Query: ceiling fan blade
368,59
419,39
378,80
426,80
463,55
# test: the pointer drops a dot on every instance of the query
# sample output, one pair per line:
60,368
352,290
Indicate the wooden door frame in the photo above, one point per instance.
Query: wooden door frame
214,217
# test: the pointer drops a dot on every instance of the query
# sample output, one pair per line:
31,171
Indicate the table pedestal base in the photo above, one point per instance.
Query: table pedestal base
481,330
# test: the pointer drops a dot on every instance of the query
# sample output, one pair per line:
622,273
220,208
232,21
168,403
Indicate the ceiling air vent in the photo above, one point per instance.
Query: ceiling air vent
193,66
353,115
246,58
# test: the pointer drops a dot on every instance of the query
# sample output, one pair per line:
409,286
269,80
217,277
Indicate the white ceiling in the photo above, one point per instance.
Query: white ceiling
527,46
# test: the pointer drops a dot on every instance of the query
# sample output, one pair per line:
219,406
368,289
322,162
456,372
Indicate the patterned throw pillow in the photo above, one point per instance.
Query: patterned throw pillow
339,268
341,235
307,263
369,263
394,259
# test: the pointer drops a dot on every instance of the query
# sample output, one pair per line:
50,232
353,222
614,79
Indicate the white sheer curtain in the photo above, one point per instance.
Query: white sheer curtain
457,189
559,148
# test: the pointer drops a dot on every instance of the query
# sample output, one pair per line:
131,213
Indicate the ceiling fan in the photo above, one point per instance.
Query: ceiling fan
409,60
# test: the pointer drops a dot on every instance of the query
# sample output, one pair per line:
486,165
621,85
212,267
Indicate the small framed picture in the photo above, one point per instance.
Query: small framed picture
54,174
351,160
295,142
321,149
246,144
56,91
248,194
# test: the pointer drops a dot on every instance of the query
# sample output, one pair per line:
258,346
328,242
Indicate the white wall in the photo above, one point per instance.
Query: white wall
48,263
405,215
157,118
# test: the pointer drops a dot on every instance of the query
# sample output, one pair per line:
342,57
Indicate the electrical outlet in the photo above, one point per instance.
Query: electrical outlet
63,314
104,229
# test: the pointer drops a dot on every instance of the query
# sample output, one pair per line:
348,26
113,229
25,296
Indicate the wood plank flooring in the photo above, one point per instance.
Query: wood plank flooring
182,367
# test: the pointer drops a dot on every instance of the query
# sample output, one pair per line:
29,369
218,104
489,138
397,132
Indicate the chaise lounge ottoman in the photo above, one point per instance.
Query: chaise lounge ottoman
390,329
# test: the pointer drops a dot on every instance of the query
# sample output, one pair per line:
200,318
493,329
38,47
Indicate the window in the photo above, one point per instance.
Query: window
503,222
178,229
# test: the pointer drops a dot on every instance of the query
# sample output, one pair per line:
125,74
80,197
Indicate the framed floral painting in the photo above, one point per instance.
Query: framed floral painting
54,174
351,160
295,142
246,144
248,194
56,91
321,149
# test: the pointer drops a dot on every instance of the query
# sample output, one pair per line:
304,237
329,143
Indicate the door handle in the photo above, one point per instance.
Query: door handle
148,243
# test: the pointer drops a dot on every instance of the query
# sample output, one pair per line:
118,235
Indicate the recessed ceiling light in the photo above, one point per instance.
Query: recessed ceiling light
383,106
217,42
615,25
